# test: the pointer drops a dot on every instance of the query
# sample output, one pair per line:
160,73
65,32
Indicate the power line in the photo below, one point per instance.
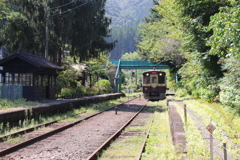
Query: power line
72,8
63,5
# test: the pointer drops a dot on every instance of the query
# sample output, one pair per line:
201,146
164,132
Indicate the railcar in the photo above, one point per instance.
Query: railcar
154,85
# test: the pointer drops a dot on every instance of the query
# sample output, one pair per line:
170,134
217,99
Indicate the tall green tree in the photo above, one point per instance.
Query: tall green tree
154,13
4,10
161,35
196,19
224,43
80,24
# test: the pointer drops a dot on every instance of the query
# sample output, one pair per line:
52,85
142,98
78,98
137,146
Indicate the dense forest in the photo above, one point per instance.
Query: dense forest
125,16
203,38
65,27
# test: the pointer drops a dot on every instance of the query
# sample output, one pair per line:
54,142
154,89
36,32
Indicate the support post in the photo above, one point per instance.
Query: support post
225,151
47,33
116,109
211,128
185,113
211,145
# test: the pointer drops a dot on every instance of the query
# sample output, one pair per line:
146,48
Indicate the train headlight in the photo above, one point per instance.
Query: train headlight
147,74
160,74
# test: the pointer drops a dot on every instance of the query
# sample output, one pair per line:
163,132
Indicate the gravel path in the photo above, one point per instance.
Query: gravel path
81,140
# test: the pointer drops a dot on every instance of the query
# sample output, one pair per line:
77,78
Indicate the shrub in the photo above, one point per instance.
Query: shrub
79,89
196,93
181,92
92,91
104,86
207,95
66,92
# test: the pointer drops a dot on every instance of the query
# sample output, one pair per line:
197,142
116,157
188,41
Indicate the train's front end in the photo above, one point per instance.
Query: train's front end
154,85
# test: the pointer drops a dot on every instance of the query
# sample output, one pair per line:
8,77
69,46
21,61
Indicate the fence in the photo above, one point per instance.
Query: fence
11,91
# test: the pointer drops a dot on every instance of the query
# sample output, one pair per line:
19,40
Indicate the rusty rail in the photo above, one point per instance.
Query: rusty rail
145,139
40,137
98,151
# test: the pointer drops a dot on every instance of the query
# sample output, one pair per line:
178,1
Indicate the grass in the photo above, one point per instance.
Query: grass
224,118
159,144
196,146
6,104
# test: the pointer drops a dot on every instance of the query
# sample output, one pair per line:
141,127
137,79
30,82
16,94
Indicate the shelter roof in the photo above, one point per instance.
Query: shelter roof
34,60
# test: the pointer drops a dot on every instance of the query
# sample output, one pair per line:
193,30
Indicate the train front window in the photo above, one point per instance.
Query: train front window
161,79
146,80
154,79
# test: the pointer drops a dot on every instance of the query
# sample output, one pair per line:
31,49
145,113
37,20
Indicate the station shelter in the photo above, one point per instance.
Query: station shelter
35,74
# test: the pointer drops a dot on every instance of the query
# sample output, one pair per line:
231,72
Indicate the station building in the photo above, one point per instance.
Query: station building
36,75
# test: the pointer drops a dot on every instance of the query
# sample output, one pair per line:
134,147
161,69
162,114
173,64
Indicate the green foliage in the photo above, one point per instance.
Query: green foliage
92,91
66,79
133,86
230,83
26,30
161,37
97,69
67,85
4,10
225,26
4,103
181,92
104,86
130,56
79,90
183,26
73,92
67,92
225,43
226,120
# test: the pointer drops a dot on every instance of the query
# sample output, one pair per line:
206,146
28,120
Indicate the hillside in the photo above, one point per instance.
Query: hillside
126,15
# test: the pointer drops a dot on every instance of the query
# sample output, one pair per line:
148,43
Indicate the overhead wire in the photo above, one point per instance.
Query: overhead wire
69,9
63,5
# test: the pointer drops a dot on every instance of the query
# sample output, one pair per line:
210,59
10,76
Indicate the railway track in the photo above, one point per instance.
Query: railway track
131,141
46,138
57,125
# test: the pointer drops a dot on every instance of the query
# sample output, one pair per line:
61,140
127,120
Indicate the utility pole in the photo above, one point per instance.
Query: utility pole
47,33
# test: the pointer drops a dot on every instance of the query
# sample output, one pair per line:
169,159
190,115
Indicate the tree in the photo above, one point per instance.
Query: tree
224,43
97,69
154,16
195,17
4,10
160,36
130,56
80,24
